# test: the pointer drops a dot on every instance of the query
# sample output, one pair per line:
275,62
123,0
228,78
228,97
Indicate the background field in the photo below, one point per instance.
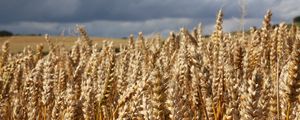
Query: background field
18,43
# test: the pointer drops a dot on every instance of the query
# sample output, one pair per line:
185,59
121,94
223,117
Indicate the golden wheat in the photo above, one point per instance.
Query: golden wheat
186,76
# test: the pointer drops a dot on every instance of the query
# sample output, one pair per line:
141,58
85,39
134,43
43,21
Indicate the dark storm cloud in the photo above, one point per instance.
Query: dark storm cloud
118,18
117,10
37,10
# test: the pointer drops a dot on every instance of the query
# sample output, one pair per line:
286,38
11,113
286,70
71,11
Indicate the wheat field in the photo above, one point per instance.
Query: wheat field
18,43
185,77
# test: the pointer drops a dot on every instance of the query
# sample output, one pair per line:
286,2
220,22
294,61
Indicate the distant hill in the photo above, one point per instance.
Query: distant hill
5,33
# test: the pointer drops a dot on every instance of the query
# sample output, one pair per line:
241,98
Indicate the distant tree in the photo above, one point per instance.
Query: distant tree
125,38
297,19
206,36
5,33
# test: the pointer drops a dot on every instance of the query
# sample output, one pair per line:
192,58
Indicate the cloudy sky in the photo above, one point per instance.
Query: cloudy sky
119,18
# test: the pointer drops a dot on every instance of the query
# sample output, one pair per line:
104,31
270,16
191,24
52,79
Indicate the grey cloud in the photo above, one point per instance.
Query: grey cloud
119,18
286,10
117,10
37,10
105,28
34,27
